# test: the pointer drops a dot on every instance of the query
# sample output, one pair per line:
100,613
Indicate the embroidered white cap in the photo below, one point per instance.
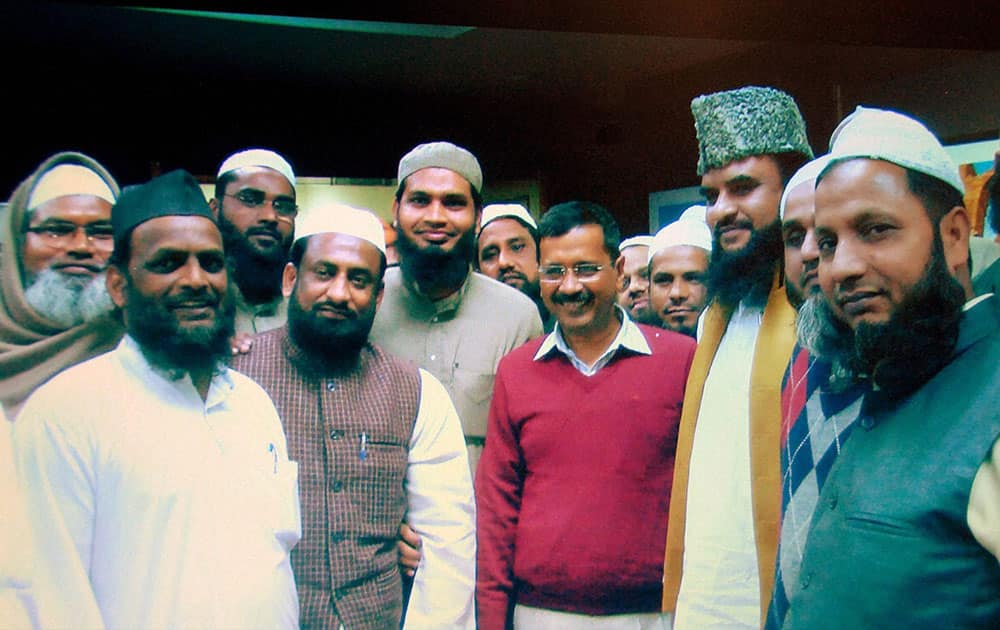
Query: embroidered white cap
880,134
442,155
642,240
808,173
496,211
681,232
69,179
694,213
336,218
258,157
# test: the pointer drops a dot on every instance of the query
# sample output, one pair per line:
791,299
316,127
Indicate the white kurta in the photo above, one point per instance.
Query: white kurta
441,509
153,508
720,586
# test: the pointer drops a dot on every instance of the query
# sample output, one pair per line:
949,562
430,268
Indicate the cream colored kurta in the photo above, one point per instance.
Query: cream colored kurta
720,587
153,508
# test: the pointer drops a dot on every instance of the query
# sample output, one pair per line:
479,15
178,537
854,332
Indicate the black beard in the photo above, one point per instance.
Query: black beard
168,346
745,275
331,346
433,268
918,340
257,275
795,297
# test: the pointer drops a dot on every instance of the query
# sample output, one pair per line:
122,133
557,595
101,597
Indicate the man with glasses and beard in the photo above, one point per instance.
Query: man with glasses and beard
158,485
820,394
376,440
583,427
438,313
255,207
906,533
725,508
55,239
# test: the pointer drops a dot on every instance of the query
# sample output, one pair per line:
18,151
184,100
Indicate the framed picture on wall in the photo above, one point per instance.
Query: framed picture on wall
666,206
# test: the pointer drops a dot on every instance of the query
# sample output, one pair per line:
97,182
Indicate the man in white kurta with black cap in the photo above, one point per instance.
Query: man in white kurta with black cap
157,481
255,205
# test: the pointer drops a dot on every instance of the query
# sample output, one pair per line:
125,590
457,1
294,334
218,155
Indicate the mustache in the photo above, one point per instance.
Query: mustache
264,230
330,306
732,221
581,297
186,296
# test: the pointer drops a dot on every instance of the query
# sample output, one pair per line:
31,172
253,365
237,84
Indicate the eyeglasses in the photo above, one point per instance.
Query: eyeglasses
62,234
252,198
583,272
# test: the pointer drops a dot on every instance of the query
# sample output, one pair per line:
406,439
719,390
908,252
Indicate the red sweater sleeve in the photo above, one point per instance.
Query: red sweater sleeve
499,480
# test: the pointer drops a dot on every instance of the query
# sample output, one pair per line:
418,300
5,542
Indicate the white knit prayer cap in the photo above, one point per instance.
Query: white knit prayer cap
258,157
338,218
681,232
442,155
69,179
643,240
808,173
496,211
880,134
694,213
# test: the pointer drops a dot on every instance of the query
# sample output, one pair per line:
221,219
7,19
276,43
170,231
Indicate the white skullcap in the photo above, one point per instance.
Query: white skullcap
643,240
442,155
337,218
808,173
879,134
258,157
502,210
69,179
694,213
681,232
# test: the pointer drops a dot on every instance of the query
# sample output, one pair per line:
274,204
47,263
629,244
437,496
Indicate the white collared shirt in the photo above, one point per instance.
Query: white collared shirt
153,507
629,337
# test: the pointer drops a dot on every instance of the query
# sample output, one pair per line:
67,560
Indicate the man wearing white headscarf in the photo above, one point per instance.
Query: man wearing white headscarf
55,239
633,278
255,206
905,530
390,445
678,261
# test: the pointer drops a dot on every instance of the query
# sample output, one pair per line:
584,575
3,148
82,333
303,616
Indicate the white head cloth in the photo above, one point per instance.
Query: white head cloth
681,232
496,211
694,213
808,173
442,155
336,218
69,179
258,157
643,240
880,134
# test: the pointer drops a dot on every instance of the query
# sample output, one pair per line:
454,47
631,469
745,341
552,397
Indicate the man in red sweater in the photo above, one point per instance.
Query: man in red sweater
582,430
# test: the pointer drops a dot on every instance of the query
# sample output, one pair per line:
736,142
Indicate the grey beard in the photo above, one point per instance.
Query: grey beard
827,339
69,301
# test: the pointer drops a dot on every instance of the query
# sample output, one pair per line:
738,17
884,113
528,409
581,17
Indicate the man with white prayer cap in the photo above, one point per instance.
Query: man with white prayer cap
678,262
507,250
55,239
256,209
376,439
821,394
696,212
158,485
725,508
437,312
905,534
633,278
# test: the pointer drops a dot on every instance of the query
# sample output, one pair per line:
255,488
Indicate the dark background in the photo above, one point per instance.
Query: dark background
590,98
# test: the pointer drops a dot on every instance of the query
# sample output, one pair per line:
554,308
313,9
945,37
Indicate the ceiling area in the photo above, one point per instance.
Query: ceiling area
588,98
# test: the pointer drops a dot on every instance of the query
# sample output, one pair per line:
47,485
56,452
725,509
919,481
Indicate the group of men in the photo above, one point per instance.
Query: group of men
229,415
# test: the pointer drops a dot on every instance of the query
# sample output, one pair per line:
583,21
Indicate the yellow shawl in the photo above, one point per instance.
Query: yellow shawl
771,353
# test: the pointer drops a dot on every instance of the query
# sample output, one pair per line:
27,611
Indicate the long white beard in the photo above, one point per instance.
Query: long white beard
69,300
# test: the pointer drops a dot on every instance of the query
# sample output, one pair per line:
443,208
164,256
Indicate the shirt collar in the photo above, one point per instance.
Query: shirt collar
976,300
629,337
446,306
134,359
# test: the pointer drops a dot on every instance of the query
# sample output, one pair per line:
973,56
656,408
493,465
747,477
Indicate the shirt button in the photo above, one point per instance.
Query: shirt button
338,594
330,386
806,579
336,434
433,356
336,486
833,502
867,423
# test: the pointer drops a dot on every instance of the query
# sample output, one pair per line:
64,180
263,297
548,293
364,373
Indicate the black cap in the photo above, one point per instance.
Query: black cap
172,194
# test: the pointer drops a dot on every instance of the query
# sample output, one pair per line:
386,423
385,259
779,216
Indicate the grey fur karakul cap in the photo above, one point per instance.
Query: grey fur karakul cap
747,121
